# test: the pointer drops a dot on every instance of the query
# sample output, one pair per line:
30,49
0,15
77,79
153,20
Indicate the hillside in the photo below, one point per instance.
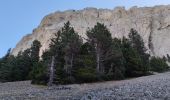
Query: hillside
148,88
152,23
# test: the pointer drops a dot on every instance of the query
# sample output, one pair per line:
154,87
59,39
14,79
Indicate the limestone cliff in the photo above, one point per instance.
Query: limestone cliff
153,24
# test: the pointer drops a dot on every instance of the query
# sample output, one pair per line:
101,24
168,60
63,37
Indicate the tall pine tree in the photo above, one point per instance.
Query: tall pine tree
133,62
100,38
138,44
35,50
63,50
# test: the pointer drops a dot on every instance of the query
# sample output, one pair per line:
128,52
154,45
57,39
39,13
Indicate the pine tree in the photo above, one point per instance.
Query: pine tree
158,64
85,70
133,62
115,60
71,43
168,57
52,58
100,39
63,49
138,44
5,58
16,68
24,63
39,74
27,59
6,68
34,51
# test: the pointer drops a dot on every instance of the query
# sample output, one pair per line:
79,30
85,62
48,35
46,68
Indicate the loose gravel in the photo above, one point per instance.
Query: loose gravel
154,87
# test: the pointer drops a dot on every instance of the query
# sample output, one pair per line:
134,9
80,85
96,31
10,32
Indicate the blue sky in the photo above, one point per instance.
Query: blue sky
20,17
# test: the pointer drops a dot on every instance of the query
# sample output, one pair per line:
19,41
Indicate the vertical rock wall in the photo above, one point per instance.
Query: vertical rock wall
152,23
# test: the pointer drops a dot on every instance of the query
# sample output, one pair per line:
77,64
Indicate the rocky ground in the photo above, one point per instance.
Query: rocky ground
154,87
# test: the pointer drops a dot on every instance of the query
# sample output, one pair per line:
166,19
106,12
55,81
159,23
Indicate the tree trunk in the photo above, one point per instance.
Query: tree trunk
51,78
66,65
71,66
110,69
98,59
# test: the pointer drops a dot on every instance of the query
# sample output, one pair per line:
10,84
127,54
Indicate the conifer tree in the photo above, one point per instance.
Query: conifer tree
34,51
64,49
85,65
50,56
71,43
133,62
5,58
52,59
158,64
138,44
100,39
115,60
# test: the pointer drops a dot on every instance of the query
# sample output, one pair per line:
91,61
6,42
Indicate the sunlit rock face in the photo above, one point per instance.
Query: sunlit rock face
152,23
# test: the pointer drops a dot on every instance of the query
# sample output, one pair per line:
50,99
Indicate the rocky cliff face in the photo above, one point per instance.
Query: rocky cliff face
152,23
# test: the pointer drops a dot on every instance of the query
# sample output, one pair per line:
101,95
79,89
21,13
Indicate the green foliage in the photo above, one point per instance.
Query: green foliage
100,35
34,51
133,63
6,69
18,68
158,64
86,74
69,61
64,47
15,69
168,57
86,49
86,56
85,70
4,59
39,74
100,39
71,43
118,73
137,43
115,61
